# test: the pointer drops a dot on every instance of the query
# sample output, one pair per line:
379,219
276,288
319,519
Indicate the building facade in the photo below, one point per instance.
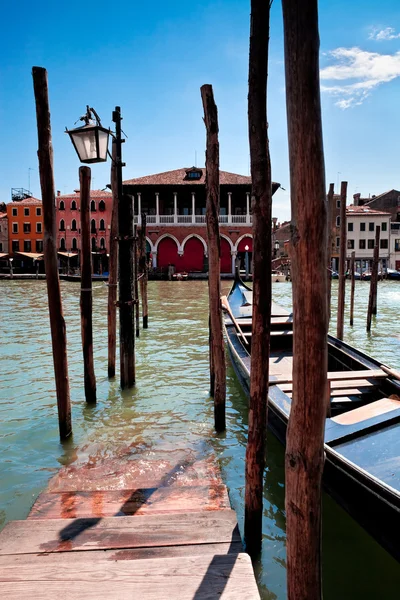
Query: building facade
68,221
3,233
175,206
388,202
394,245
25,226
362,222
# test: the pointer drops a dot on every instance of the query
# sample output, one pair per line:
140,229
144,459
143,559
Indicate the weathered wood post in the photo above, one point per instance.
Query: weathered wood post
113,268
57,323
353,281
305,436
136,289
86,287
331,206
216,337
126,268
342,261
261,203
373,290
144,271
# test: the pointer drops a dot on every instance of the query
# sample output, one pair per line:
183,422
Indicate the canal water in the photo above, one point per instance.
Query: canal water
169,410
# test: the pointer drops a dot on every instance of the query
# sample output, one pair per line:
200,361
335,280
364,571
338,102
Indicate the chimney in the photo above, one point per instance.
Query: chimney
58,193
356,198
274,220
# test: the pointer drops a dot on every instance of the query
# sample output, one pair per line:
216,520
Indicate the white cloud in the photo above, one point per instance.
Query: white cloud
389,33
360,71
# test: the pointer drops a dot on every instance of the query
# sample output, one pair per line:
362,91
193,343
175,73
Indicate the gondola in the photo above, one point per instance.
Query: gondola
362,431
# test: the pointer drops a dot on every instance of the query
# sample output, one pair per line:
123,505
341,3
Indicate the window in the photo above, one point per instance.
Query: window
38,212
27,227
74,244
102,206
73,205
62,244
361,244
93,226
384,226
384,244
27,246
102,243
349,226
26,212
15,212
362,226
337,242
371,226
62,225
62,205
337,221
102,228
397,245
73,225
93,244
350,244
371,244
194,175
15,227
1,246
93,206
39,245
337,203
15,246
38,228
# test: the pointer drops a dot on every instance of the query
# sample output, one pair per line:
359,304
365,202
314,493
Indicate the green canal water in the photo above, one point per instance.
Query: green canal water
168,410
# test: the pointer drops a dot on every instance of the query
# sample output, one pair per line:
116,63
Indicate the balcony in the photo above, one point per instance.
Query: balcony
243,220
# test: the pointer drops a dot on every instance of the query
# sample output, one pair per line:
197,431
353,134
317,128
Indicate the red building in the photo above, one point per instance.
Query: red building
175,205
69,221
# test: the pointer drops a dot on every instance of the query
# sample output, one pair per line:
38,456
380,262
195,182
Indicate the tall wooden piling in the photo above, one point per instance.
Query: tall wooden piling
261,202
373,290
126,268
353,281
57,323
331,206
342,260
216,338
86,287
305,436
144,271
113,269
136,281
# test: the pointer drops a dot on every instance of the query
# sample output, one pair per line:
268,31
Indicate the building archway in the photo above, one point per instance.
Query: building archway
167,252
226,255
244,249
192,259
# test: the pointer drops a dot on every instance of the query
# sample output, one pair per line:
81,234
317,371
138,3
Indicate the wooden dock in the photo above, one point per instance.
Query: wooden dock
130,526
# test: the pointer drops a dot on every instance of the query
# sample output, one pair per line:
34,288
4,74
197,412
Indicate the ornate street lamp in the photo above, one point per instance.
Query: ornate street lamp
246,261
91,140
276,247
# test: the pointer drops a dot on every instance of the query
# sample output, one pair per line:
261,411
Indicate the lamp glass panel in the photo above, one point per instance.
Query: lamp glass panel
103,144
85,143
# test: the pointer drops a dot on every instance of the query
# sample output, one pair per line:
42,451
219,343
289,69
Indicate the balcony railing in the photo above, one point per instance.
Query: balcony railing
184,218
192,219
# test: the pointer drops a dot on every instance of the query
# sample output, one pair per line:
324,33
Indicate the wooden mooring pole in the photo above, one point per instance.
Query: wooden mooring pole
305,436
261,202
373,290
342,261
144,271
57,323
113,268
136,287
216,337
86,287
126,268
331,206
353,282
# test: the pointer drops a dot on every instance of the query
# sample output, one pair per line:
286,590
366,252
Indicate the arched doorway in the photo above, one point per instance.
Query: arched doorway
226,256
245,254
193,256
167,253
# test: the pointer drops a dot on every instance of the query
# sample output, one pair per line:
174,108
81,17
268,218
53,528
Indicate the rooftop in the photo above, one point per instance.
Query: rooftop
365,211
183,176
93,194
26,202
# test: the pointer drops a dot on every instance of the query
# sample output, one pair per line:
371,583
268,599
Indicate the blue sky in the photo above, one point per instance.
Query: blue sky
152,58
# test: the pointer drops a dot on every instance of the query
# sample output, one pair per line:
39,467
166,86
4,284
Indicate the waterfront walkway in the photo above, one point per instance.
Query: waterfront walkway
129,526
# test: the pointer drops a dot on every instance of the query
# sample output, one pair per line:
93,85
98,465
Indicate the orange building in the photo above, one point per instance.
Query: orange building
25,226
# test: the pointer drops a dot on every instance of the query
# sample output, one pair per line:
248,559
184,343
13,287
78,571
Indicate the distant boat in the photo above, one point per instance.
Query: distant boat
278,276
366,276
392,274
362,433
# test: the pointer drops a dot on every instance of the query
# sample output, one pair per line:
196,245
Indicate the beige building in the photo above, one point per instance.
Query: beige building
362,222
3,233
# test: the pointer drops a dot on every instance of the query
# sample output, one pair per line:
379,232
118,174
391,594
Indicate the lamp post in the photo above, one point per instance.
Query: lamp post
10,260
276,247
246,261
91,144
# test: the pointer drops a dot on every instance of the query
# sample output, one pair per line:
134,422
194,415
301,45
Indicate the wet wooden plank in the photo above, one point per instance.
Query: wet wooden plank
341,384
374,409
62,535
64,505
342,375
227,577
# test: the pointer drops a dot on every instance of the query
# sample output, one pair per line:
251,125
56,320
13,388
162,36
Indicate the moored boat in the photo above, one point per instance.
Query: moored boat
392,274
362,441
278,276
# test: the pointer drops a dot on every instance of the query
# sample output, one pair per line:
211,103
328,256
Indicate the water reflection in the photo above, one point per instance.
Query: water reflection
169,411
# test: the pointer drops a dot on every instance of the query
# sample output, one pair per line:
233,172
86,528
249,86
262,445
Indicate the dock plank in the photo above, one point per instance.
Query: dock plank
62,535
204,578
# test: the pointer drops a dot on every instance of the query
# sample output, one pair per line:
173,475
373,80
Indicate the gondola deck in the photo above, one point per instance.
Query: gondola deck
362,441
